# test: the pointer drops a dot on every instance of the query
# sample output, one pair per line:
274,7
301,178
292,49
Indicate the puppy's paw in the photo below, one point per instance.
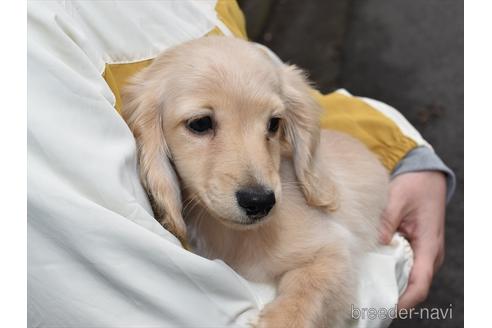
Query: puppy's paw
253,322
278,320
275,315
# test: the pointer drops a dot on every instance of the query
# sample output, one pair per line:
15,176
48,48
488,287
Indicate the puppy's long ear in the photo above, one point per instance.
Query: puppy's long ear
301,131
142,110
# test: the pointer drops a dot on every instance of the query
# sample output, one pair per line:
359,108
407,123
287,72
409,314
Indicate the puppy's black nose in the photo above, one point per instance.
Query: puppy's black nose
256,201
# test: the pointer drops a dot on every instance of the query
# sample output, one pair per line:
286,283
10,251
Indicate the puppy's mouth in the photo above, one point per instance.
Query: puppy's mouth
254,220
250,211
245,223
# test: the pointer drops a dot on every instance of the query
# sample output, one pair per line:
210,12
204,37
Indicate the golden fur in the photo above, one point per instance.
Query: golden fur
330,190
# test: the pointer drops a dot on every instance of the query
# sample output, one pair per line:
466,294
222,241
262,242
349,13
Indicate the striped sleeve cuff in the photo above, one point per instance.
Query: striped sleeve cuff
425,159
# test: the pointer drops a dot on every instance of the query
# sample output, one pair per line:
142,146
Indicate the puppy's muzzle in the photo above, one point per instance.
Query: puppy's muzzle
256,201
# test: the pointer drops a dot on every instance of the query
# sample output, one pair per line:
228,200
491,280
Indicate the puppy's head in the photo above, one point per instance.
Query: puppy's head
212,118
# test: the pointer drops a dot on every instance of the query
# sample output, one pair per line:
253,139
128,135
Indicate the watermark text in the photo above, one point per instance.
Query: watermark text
371,313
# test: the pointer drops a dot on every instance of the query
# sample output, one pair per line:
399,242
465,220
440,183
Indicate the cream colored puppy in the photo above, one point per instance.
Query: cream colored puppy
232,156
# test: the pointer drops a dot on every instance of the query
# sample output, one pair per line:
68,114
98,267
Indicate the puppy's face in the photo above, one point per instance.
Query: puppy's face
210,118
222,126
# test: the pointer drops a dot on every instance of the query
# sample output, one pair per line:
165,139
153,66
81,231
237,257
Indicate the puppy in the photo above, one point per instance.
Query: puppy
231,153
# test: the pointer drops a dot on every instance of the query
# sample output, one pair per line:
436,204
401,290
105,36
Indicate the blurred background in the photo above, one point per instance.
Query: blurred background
407,53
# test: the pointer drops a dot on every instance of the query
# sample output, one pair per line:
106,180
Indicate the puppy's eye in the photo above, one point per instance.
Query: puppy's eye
273,125
200,125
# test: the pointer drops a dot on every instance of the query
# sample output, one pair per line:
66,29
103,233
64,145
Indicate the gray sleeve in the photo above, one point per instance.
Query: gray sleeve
425,159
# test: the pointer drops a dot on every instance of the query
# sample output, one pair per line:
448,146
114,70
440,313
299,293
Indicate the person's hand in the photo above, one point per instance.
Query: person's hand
416,209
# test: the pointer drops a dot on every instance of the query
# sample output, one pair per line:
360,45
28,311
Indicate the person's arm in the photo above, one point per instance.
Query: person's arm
416,209
422,159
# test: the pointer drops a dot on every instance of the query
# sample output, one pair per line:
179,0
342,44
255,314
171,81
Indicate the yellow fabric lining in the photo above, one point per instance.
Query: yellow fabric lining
379,133
116,75
230,14
342,113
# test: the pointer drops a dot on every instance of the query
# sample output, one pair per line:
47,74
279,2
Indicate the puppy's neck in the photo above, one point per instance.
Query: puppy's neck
213,239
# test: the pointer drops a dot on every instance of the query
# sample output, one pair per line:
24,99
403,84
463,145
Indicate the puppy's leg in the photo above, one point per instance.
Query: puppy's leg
315,295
